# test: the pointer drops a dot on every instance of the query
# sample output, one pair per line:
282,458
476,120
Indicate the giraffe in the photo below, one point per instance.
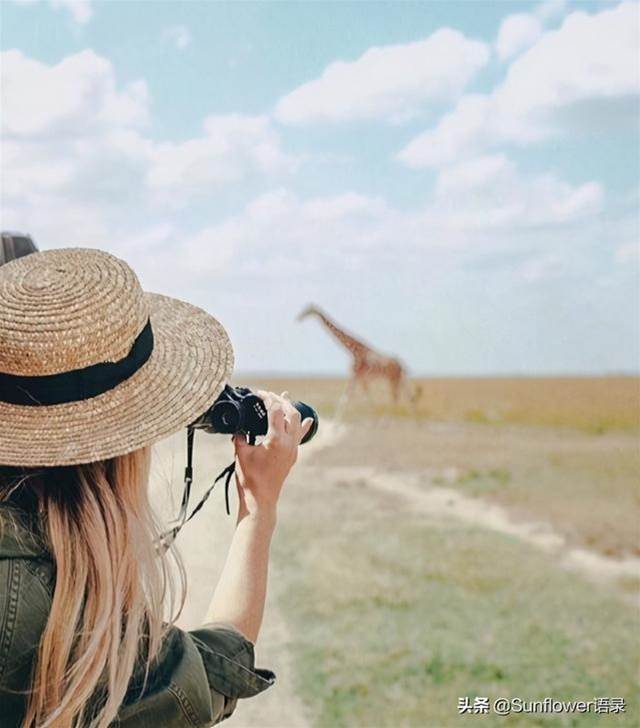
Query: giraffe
367,363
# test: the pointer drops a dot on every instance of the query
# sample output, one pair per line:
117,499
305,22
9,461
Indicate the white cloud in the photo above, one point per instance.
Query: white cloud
458,132
389,82
566,80
78,168
543,267
477,209
589,57
179,35
520,31
275,236
550,10
81,11
233,146
628,253
77,96
173,261
304,231
517,32
75,138
72,150
347,205
473,174
490,194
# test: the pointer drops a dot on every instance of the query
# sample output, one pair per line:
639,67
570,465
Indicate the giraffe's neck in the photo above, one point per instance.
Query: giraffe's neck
354,346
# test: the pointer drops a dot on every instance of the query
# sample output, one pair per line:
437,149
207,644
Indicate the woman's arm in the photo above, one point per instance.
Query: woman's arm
242,589
261,470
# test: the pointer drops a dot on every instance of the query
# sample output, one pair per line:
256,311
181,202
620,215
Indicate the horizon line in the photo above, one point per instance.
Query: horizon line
443,375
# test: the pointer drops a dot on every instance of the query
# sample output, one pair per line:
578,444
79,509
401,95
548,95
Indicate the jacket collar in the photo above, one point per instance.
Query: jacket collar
21,534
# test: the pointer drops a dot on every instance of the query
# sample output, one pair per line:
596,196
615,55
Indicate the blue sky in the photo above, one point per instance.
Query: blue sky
455,182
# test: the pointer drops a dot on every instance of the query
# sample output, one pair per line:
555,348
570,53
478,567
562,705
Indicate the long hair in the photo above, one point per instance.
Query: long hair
111,589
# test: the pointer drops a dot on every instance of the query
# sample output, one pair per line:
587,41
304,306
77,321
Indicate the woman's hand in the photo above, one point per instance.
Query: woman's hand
260,473
262,469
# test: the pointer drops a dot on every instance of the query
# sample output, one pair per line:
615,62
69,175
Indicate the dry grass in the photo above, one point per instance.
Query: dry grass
563,451
585,486
394,616
591,404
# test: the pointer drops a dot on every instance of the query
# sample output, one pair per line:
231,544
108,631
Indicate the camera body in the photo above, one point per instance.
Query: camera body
238,409
15,245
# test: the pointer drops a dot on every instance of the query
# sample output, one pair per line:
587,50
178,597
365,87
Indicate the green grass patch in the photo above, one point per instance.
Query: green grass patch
483,482
394,618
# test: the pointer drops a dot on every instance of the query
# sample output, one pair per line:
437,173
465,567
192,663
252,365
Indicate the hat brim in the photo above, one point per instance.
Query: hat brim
191,362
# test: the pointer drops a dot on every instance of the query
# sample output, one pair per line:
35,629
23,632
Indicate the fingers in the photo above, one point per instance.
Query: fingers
266,397
292,416
286,419
277,425
275,414
292,419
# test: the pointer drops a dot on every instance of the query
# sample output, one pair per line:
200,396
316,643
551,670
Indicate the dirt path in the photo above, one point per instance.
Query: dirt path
279,707
442,501
203,544
205,540
425,496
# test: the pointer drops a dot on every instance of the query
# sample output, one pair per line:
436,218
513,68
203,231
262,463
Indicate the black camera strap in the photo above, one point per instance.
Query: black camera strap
168,536
188,477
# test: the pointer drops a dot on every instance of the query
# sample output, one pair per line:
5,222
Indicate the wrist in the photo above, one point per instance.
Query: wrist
265,518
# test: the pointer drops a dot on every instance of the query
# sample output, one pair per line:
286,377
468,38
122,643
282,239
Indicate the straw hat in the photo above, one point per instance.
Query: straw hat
91,366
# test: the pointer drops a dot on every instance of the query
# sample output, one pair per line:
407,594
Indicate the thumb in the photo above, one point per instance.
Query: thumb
307,424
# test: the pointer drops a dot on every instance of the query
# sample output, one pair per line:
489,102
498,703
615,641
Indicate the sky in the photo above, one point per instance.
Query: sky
456,183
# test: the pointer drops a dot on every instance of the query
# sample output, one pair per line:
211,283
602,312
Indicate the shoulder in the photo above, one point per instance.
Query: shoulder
196,680
22,533
26,588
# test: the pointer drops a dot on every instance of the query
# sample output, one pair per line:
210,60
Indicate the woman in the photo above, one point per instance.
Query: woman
92,372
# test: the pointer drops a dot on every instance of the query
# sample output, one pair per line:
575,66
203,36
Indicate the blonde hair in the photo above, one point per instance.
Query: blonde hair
112,587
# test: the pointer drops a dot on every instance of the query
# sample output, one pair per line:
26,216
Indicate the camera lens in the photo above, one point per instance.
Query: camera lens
306,411
225,418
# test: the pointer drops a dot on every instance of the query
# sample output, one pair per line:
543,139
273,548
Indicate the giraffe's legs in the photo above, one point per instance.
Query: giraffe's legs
414,395
344,399
399,387
364,383
395,389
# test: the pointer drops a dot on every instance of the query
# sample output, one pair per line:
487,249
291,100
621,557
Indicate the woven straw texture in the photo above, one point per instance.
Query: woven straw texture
63,310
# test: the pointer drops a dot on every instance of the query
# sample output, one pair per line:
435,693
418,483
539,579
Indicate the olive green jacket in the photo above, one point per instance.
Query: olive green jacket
196,680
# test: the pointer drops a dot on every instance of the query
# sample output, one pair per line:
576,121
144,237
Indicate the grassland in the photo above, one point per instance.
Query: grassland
382,613
395,614
585,486
555,461
591,404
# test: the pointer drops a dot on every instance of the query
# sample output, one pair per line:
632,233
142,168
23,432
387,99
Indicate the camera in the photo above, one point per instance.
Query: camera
15,245
238,409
